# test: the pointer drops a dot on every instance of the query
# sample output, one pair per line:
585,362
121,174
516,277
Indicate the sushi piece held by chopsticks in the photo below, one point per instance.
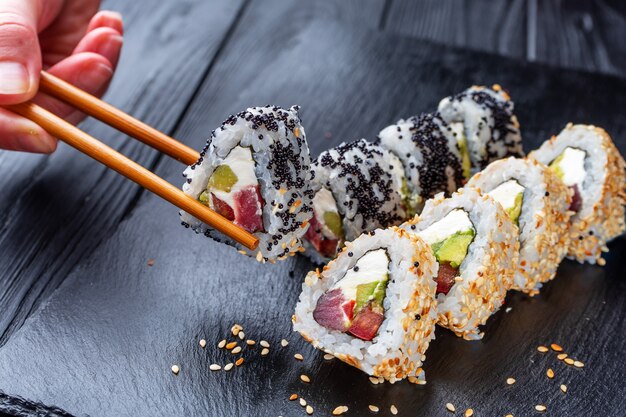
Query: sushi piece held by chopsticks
255,171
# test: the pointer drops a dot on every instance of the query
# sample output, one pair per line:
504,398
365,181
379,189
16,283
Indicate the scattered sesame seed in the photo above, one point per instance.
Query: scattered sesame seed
221,344
393,409
284,343
236,350
509,415
373,408
265,351
578,364
298,357
215,367
309,410
150,262
202,343
305,378
469,412
556,347
450,407
508,309
250,342
540,407
328,356
373,380
228,366
340,410
175,369
542,349
564,388
242,335
569,361
510,381
302,402
561,356
239,361
293,397
231,345
550,373
265,344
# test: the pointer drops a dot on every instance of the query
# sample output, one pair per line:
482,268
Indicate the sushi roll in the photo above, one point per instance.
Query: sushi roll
430,153
476,246
538,202
586,160
373,306
255,171
357,187
483,118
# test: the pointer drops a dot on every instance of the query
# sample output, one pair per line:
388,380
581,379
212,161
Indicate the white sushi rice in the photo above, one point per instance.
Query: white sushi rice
543,219
486,272
601,217
398,350
430,154
282,166
491,128
367,192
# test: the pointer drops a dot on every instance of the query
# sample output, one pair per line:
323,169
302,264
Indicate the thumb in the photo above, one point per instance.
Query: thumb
20,55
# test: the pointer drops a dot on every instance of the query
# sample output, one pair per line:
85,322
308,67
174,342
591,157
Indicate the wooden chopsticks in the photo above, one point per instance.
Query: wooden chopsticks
113,116
106,155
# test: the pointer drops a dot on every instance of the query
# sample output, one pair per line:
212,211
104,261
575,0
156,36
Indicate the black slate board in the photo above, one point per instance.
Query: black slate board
104,343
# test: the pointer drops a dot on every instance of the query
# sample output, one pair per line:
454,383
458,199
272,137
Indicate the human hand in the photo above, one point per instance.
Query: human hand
71,40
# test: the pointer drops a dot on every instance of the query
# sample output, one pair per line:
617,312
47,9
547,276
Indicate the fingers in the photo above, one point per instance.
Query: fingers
20,58
86,70
20,134
104,41
109,19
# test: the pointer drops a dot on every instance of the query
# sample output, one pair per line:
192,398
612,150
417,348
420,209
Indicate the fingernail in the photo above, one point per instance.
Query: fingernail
34,143
13,78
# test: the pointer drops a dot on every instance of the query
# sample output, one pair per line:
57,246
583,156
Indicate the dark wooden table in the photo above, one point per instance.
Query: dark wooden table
183,64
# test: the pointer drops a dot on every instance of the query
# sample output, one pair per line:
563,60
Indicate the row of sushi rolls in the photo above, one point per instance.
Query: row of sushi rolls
431,223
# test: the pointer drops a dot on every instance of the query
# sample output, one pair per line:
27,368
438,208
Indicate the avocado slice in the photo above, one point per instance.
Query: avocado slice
466,163
515,211
371,291
453,250
204,198
333,222
556,166
223,179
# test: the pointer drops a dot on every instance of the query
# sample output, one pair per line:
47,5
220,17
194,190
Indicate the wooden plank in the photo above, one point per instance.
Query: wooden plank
570,34
105,341
582,35
477,24
55,210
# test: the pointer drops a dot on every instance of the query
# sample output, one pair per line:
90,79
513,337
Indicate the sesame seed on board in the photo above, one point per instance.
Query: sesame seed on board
293,397
469,412
510,381
298,357
450,407
340,410
373,408
540,408
393,409
305,378
175,369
